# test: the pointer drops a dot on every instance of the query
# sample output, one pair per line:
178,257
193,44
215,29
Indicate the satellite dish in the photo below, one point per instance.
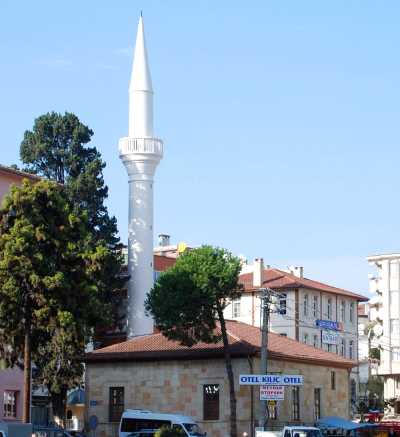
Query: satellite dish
378,330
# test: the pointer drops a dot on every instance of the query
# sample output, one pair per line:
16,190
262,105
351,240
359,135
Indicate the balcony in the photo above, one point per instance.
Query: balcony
149,146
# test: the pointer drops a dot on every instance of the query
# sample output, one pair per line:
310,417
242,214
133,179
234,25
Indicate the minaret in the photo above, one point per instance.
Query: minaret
140,152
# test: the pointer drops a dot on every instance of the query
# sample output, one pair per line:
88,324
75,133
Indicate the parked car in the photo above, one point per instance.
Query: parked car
133,421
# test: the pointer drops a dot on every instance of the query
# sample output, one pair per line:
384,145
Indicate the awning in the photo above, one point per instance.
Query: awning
340,423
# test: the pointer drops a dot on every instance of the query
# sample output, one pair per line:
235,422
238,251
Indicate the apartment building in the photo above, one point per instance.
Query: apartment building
309,311
385,312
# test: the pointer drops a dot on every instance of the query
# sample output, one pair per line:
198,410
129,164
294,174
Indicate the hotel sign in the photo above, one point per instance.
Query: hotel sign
271,380
329,324
329,337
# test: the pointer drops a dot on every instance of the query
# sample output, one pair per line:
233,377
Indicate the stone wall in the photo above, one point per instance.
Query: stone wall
177,387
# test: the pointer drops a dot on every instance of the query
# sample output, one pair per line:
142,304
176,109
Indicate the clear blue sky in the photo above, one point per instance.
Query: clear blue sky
280,118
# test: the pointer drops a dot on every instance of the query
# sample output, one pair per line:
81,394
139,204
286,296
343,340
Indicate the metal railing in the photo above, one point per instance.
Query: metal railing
141,145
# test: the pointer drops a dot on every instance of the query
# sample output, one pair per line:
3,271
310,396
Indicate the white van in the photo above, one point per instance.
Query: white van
133,421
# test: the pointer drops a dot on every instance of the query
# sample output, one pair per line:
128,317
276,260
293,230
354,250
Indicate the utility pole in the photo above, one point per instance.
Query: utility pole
265,312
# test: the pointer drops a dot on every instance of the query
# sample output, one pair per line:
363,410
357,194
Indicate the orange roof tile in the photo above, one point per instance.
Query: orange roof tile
278,279
244,340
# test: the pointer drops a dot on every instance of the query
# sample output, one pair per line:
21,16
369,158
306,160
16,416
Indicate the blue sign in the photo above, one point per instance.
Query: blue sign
329,324
271,380
93,403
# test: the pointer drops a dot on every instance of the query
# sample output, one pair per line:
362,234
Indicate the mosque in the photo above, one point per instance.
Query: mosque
147,371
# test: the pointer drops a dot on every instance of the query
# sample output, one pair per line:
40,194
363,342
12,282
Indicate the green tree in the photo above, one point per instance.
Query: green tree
57,149
188,300
49,296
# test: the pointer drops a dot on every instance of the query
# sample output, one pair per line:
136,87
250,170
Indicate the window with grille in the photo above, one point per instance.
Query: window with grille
10,404
296,403
116,403
305,338
333,380
211,402
317,403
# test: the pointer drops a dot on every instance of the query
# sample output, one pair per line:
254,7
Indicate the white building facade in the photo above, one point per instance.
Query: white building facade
309,311
385,284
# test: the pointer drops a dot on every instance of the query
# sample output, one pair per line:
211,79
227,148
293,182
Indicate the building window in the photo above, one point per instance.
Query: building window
395,353
296,403
305,308
333,380
351,349
10,404
394,275
343,311
317,403
211,402
282,303
397,382
116,403
394,327
236,308
343,347
315,306
329,309
315,340
305,338
351,312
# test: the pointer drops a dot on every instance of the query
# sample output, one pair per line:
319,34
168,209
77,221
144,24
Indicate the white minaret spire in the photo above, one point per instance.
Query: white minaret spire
140,152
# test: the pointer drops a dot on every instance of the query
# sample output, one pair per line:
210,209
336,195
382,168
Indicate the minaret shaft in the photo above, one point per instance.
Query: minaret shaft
140,152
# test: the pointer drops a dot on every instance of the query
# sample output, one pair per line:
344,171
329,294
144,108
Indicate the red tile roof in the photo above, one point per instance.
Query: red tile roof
244,340
19,173
278,279
162,263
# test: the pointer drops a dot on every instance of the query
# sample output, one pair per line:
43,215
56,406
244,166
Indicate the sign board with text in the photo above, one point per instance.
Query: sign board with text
272,392
329,324
271,380
329,337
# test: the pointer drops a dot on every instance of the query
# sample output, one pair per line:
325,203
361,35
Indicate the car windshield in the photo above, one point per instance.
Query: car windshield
193,429
307,433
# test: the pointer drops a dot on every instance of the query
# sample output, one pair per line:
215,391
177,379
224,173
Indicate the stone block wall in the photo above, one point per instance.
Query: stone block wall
177,387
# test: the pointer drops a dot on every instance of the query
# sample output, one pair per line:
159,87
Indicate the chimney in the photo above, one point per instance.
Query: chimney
297,271
163,240
258,272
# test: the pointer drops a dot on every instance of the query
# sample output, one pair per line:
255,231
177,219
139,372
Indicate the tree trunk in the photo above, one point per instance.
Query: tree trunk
59,404
26,417
229,371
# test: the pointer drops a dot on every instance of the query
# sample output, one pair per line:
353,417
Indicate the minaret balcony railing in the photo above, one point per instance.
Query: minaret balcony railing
129,145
